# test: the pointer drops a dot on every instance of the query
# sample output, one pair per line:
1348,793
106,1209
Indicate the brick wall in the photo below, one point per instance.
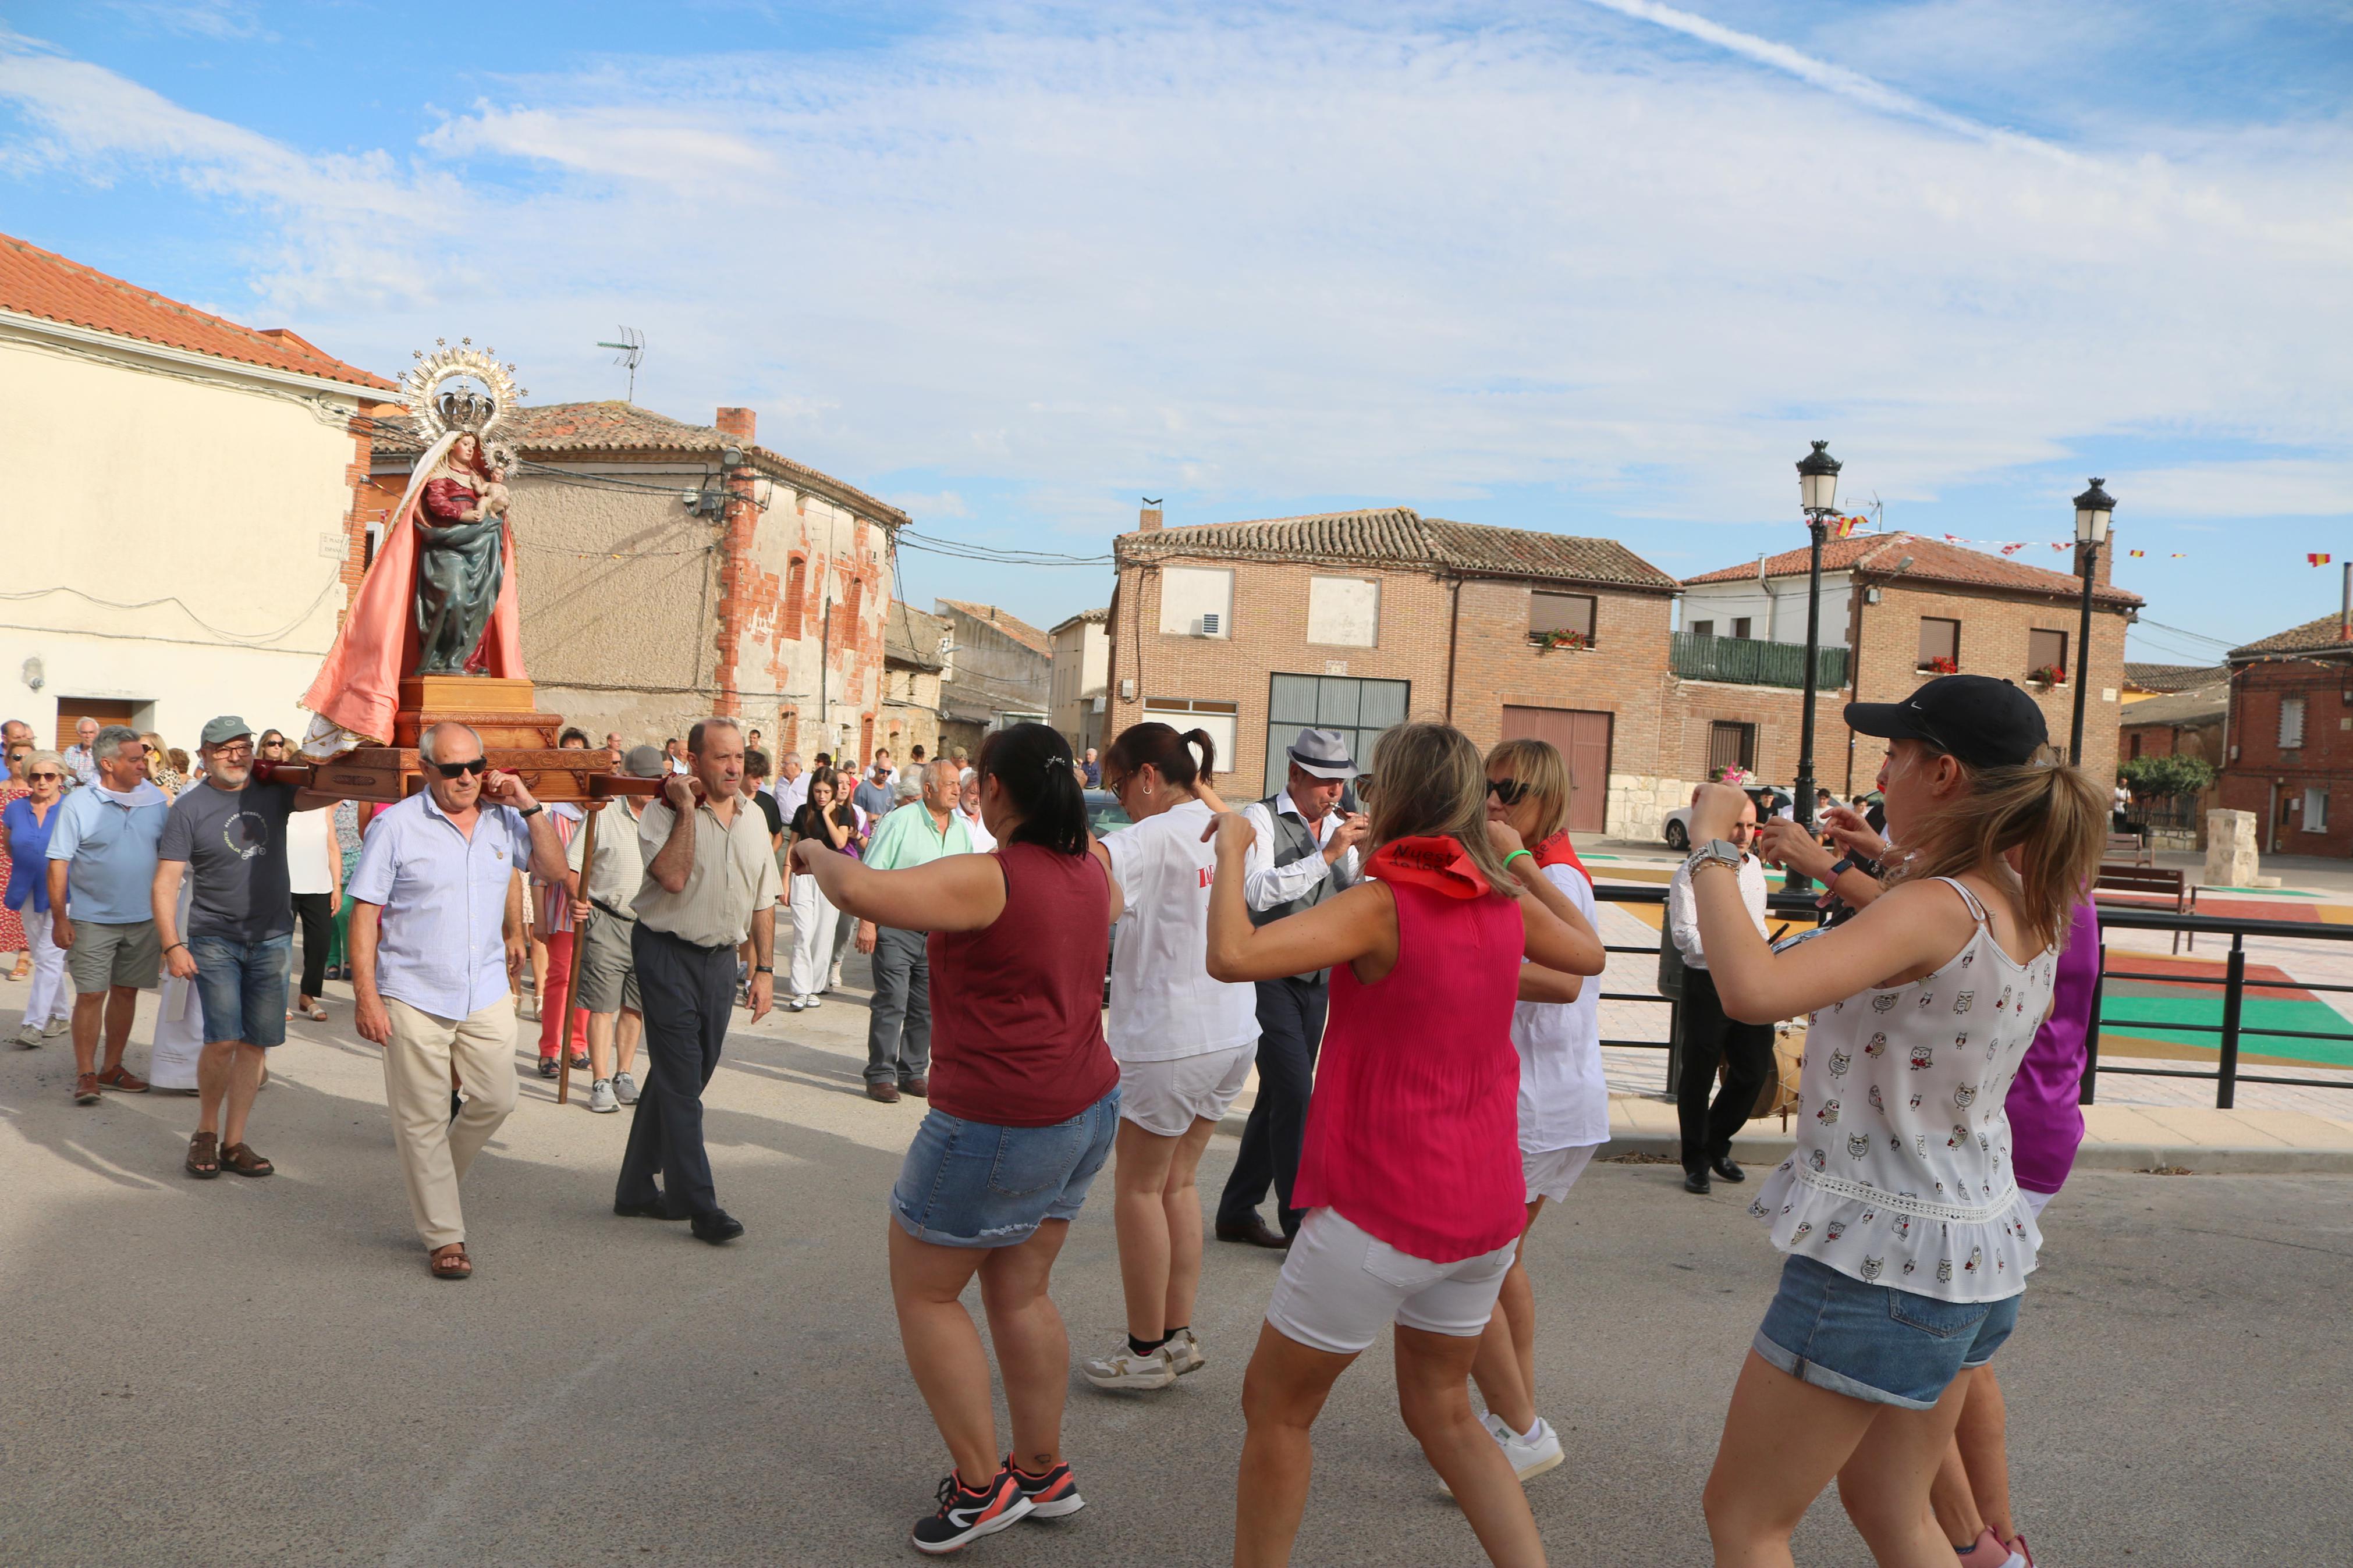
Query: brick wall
2270,779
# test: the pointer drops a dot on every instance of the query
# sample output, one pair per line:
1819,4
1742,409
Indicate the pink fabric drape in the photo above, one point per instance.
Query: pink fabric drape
358,686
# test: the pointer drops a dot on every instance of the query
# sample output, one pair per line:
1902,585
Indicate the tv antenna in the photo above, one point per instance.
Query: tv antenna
633,353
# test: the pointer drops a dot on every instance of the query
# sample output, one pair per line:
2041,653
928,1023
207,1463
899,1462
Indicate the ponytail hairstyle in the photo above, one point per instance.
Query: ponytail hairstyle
1033,765
1538,765
2056,819
1428,782
1166,752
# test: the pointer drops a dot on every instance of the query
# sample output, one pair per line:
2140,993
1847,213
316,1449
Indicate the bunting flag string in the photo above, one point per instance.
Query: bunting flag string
2320,559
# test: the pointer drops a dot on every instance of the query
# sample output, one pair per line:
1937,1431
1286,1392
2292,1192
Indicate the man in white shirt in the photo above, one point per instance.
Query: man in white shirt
1307,851
1708,1036
790,790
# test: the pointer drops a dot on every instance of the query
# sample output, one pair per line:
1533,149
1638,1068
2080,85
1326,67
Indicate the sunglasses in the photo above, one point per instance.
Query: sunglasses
451,770
1511,792
37,778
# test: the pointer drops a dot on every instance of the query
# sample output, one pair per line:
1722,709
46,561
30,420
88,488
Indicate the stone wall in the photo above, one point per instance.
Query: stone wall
1639,804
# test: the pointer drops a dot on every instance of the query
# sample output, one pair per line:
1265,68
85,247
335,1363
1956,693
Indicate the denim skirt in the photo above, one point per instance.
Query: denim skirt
974,1183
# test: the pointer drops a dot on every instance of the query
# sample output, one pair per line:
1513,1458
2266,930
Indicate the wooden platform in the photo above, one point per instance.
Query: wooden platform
516,737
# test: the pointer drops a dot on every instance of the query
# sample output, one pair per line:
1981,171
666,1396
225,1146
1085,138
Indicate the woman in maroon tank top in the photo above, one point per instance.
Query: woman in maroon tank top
1410,1171
1024,1104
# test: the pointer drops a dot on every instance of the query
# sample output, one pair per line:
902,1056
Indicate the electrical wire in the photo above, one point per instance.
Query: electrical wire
251,639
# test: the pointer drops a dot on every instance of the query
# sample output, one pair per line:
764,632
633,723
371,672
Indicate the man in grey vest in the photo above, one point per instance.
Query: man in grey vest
1306,852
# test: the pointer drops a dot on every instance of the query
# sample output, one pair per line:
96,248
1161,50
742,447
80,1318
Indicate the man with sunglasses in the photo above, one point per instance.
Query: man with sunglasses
1708,1036
1307,851
437,942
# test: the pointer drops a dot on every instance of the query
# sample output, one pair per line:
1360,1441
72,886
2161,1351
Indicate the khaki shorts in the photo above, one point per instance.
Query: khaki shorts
103,956
608,976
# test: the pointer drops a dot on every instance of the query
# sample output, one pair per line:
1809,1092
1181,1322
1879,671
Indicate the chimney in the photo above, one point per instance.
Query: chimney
1148,520
738,422
2103,564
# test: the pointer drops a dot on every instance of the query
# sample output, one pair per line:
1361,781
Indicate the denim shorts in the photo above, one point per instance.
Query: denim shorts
242,987
1875,1342
973,1184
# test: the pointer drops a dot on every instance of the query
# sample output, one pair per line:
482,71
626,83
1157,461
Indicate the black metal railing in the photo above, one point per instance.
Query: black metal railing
1750,661
2233,1032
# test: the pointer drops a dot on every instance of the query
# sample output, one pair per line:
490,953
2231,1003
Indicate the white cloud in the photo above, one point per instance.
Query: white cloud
1313,258
2257,487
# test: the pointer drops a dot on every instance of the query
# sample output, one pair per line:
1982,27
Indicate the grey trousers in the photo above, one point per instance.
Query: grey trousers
899,1023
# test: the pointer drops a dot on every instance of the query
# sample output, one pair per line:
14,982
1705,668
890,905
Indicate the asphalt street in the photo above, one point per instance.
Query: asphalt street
260,1372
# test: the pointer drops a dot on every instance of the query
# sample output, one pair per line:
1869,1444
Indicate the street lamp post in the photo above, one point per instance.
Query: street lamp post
2093,507
1818,474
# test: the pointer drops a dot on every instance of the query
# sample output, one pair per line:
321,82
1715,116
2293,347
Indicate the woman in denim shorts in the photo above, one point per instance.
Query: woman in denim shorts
1024,1102
1908,1238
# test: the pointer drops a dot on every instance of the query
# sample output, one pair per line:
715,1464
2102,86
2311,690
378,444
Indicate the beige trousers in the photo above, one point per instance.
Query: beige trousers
433,1151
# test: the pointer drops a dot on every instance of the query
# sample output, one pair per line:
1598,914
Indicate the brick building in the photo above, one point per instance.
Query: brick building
1001,671
1903,607
178,496
1357,621
2289,738
671,571
1081,663
2143,681
914,657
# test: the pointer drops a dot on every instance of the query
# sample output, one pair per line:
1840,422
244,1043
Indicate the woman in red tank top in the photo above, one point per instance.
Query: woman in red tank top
1024,1104
1410,1171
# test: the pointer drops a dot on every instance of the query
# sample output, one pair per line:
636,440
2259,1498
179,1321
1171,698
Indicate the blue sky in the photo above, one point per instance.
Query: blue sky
1594,266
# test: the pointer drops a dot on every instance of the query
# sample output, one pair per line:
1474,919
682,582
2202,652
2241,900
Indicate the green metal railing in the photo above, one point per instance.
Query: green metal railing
1695,656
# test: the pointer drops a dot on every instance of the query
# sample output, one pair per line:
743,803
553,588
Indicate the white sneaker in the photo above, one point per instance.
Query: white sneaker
29,1036
600,1096
797,1004
625,1088
812,1002
1528,1457
1184,1352
1125,1369
833,978
61,1024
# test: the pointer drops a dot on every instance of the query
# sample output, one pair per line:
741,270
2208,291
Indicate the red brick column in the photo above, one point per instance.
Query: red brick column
736,570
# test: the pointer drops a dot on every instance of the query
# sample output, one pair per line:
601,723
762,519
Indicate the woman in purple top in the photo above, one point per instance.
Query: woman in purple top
1971,1492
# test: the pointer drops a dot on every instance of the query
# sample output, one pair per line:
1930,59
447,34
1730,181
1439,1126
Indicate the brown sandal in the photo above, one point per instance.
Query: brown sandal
240,1158
204,1156
449,1262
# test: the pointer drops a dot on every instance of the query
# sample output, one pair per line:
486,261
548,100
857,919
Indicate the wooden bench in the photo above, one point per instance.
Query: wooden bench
2129,849
2147,886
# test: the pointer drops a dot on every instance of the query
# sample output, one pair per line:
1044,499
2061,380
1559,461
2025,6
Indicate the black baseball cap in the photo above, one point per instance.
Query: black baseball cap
1987,724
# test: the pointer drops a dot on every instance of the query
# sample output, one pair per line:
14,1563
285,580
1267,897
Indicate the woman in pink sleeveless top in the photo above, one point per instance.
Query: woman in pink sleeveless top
1411,1165
1024,1104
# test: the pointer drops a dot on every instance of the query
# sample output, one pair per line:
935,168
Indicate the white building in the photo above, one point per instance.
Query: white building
1081,665
176,492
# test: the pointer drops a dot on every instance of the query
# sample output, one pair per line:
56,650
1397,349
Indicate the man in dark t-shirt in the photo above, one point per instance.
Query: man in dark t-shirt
230,831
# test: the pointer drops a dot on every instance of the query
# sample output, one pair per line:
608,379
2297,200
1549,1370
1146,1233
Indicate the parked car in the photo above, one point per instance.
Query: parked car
1105,814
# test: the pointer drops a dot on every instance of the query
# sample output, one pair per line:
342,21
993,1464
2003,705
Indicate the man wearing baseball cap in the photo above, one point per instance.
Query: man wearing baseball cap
230,831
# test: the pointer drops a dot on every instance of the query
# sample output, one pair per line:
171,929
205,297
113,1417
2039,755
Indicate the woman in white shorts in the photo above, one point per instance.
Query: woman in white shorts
1410,1170
1184,1042
1564,1100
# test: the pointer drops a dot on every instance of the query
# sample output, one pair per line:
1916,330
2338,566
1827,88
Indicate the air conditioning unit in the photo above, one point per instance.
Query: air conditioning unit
1209,625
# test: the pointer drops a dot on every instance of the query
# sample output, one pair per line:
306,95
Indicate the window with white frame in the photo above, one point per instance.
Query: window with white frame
1181,714
1344,612
1196,601
2315,809
2291,724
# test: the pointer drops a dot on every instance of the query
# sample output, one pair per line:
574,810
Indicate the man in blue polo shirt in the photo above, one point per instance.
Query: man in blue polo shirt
102,865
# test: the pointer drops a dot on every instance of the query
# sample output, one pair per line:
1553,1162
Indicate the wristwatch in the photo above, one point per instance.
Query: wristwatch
762,969
534,809
1714,852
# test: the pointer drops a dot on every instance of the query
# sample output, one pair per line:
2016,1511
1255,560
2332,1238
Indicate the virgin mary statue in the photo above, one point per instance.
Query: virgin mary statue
440,600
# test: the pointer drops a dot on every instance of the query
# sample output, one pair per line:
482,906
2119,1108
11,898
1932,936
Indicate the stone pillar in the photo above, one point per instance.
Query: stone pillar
2230,860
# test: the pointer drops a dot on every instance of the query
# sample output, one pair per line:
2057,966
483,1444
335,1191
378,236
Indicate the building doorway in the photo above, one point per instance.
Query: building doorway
1582,738
72,711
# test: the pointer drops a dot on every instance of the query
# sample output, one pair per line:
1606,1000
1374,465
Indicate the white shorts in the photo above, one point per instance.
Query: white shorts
1166,1098
2034,1201
1550,1173
1340,1288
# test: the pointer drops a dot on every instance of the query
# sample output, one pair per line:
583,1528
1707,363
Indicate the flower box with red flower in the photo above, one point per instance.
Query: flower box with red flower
2047,674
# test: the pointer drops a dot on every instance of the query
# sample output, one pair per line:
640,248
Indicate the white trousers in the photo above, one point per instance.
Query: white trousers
813,926
433,1151
49,997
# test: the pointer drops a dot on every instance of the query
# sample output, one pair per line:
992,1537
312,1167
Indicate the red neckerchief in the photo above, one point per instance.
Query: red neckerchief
1558,851
1438,862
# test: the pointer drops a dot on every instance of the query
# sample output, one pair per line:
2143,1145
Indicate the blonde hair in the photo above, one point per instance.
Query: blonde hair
2054,816
1539,766
1428,782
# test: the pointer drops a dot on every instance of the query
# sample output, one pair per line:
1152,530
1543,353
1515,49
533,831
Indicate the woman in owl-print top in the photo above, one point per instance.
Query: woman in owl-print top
1908,1242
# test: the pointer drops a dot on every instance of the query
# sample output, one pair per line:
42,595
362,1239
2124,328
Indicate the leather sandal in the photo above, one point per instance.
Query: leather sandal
240,1158
449,1262
204,1156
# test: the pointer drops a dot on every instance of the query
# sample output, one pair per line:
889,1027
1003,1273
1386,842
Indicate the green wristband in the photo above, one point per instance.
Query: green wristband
1516,855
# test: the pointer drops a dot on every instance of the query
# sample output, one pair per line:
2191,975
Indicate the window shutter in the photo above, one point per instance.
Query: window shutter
2291,724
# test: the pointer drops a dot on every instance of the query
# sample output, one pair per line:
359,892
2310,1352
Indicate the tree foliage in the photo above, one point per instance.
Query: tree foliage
2165,777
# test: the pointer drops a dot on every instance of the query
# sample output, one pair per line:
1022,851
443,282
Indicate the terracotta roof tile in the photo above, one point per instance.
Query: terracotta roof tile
1933,561
1399,536
2197,705
37,282
576,429
910,635
1084,617
2318,636
1019,630
2172,677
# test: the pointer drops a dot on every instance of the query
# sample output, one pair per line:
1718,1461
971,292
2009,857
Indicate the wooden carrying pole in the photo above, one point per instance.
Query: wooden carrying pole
601,788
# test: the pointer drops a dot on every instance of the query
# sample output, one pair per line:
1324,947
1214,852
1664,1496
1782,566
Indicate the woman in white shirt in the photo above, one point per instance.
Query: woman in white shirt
1564,1097
1185,1043
1907,1237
